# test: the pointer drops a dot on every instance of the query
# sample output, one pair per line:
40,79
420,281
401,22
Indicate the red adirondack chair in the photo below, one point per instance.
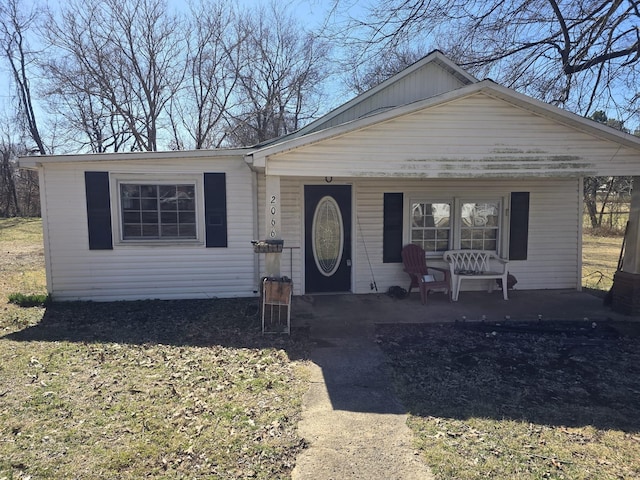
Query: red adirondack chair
423,277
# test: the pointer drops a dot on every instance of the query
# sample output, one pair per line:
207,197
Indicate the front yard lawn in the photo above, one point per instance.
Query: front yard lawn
521,401
153,389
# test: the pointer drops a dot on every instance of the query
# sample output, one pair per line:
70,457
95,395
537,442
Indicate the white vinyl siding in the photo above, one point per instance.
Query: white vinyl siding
553,254
131,272
476,136
409,89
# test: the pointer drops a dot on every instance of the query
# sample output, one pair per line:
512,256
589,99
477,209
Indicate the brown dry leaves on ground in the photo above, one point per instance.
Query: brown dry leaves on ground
527,401
153,389
148,389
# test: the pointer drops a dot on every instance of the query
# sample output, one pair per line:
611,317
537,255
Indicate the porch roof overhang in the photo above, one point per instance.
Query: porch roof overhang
538,163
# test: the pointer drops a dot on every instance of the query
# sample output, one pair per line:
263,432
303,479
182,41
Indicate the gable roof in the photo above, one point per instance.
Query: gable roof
434,58
367,104
487,87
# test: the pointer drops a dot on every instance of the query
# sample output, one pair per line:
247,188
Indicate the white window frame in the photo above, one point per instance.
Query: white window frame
423,200
455,221
147,179
459,201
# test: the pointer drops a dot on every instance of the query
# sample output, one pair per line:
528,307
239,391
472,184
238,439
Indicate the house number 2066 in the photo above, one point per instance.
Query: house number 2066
273,210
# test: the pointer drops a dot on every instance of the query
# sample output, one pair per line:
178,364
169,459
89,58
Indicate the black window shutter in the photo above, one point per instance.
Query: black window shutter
98,210
215,209
392,228
519,226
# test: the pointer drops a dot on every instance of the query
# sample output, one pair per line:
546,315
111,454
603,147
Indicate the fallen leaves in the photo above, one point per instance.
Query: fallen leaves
189,389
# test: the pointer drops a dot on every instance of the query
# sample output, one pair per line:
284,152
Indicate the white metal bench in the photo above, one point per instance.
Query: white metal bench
476,265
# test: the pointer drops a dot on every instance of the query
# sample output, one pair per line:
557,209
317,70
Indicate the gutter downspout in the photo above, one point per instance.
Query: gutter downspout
580,230
256,232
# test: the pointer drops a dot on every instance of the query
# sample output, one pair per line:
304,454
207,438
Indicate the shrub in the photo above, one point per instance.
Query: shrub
35,300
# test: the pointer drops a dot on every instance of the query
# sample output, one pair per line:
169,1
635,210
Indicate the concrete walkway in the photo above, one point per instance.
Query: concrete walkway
354,424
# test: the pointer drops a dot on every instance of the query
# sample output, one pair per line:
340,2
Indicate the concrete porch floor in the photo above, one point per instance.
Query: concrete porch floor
331,316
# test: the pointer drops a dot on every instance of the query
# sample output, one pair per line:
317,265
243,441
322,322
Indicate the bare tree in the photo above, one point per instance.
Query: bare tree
89,121
16,20
199,111
386,65
9,206
126,75
581,54
128,55
279,69
19,192
601,194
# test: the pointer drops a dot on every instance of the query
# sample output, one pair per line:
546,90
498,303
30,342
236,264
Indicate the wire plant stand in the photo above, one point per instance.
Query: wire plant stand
276,305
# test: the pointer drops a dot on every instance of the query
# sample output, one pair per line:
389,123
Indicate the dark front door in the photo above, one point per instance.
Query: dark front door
327,220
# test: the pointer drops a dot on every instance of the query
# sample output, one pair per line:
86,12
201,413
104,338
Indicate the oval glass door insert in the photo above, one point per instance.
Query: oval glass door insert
328,236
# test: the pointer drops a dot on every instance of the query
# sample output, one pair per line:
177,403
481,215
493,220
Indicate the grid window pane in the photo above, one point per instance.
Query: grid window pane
168,205
148,191
186,204
131,204
479,225
430,225
187,217
169,217
158,211
130,191
149,204
149,217
167,191
170,230
131,217
188,229
149,230
131,230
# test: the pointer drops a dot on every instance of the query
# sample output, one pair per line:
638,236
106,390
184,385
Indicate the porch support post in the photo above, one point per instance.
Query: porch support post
625,292
272,223
631,260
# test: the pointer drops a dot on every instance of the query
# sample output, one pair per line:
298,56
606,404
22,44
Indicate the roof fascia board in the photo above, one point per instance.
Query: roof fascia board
560,115
37,160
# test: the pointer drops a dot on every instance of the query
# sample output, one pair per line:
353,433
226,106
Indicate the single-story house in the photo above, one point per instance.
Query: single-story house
431,156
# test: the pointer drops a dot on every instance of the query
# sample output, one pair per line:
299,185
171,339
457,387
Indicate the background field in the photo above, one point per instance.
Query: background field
600,256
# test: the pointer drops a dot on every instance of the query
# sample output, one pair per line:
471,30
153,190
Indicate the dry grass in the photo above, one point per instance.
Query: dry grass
21,270
182,389
520,401
600,256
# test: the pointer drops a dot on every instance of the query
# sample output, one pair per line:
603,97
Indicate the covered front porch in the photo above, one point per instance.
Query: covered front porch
331,316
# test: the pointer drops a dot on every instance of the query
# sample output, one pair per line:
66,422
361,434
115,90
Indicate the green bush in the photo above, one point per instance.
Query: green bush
35,300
